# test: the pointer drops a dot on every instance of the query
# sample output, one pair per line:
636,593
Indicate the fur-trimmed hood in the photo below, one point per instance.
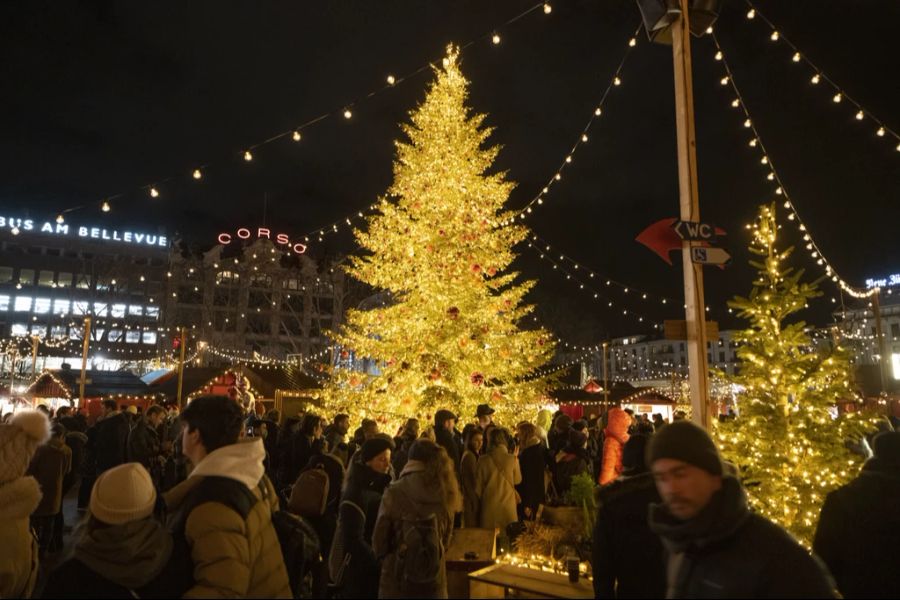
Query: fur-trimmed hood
19,498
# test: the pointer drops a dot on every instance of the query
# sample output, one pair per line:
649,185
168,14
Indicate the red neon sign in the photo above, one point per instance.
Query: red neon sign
244,233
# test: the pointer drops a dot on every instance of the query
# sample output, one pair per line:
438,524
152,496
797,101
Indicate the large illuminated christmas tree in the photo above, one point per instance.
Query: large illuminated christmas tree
787,443
447,334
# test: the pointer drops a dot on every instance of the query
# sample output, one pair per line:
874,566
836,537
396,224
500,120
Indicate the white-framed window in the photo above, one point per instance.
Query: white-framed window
152,312
135,310
42,305
19,329
101,309
64,280
45,278
117,311
58,331
39,330
132,337
149,337
23,304
115,335
81,307
4,303
61,307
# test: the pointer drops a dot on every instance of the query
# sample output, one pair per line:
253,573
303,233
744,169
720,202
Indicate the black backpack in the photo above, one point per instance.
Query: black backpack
298,540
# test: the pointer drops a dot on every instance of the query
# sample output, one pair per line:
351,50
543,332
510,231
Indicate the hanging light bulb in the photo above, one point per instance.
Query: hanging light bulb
787,203
880,132
105,206
391,80
747,123
724,81
860,115
837,98
753,143
735,103
15,231
347,113
815,79
197,174
751,13
597,112
496,38
617,81
248,156
296,136
796,57
584,137
719,55
774,36
764,160
60,219
154,193
632,42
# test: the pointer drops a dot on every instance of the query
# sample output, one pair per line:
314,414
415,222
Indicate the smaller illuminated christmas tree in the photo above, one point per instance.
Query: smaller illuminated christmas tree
787,443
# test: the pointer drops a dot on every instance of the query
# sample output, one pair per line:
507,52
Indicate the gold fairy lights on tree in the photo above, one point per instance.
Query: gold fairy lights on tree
786,442
448,334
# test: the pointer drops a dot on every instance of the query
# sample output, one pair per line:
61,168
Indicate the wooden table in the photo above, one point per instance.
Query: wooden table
483,542
508,581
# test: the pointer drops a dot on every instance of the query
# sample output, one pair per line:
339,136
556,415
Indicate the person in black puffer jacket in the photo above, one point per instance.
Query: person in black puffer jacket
367,479
627,557
860,525
716,547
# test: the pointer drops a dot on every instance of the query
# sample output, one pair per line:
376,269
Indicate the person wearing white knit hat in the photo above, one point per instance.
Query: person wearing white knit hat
120,551
19,496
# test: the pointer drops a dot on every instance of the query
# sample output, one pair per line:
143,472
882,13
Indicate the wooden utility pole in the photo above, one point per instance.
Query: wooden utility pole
34,349
84,357
879,337
181,368
698,370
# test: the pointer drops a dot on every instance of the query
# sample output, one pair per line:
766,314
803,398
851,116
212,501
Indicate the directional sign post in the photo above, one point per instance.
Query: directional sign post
710,256
693,231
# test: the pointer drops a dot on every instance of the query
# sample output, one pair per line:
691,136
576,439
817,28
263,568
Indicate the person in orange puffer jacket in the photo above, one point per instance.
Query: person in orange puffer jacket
616,434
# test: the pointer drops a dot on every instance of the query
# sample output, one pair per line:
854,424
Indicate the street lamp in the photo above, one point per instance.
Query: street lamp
659,15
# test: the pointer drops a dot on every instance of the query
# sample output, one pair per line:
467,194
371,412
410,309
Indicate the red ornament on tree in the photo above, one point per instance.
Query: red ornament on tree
491,271
540,341
345,354
476,268
477,378
452,312
435,374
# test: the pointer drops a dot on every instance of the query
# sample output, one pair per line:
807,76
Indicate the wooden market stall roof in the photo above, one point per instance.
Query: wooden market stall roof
264,380
64,383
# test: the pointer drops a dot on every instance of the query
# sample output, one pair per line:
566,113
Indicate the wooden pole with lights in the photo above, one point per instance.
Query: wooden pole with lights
84,357
35,340
181,367
689,200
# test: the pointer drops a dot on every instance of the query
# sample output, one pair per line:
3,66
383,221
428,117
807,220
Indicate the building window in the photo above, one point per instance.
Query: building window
101,309
64,280
39,330
721,357
4,303
6,274
26,276
61,307
291,284
259,299
41,306
222,296
84,281
45,278
19,329
117,311
23,304
132,337
895,331
261,280
135,310
226,278
152,312
115,335
149,337
58,331
189,295
80,307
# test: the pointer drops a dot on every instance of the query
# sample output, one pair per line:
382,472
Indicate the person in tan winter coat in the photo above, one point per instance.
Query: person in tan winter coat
19,496
231,556
497,475
467,476
425,498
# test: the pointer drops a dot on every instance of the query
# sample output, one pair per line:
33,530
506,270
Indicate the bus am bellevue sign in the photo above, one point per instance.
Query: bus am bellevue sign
17,225
259,233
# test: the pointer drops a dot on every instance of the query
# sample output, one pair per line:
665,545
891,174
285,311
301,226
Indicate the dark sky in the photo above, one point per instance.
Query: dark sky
102,98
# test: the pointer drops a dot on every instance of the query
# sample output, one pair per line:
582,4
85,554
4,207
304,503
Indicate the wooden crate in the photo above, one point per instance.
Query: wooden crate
508,581
483,542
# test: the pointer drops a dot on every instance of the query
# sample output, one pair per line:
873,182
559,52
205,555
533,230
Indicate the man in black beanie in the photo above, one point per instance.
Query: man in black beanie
716,547
859,528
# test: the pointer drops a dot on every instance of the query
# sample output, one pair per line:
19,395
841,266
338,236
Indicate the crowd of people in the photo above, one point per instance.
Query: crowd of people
218,500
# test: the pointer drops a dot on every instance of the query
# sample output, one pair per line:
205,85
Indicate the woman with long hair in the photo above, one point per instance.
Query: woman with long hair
467,474
415,523
496,476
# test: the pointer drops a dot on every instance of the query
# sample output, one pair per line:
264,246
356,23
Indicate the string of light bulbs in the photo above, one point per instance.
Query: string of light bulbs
582,138
780,190
881,129
295,134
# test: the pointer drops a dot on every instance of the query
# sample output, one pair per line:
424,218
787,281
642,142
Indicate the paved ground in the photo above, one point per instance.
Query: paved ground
70,513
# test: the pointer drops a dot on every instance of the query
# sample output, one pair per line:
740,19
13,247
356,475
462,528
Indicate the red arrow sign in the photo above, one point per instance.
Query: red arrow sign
661,238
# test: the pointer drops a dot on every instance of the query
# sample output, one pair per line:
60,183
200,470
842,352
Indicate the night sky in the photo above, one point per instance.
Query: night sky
103,98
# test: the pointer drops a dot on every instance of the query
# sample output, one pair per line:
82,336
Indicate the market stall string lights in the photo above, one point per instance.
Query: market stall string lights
765,159
343,111
840,95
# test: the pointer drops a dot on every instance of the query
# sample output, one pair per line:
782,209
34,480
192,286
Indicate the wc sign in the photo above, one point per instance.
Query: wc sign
260,233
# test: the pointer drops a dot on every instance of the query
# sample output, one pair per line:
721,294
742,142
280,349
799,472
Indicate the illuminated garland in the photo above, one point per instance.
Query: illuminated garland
766,160
840,95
